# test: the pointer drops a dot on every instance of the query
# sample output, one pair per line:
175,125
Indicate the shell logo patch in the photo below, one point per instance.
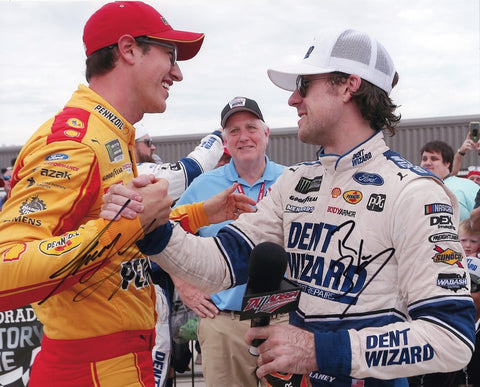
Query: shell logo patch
353,196
62,244
71,133
14,253
75,123
336,192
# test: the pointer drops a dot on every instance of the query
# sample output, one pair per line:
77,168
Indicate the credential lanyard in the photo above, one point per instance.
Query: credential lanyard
261,193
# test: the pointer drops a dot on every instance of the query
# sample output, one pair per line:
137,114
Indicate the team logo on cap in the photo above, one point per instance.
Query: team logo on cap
309,51
238,101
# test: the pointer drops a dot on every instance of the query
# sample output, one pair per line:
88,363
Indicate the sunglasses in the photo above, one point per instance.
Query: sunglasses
302,84
147,141
173,53
7,177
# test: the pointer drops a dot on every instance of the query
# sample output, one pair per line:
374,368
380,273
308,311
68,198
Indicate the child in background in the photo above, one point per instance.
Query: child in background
469,239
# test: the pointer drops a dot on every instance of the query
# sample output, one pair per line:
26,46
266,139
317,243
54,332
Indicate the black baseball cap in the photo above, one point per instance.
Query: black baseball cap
240,104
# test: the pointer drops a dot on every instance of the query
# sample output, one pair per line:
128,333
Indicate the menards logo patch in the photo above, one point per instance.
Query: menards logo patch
62,244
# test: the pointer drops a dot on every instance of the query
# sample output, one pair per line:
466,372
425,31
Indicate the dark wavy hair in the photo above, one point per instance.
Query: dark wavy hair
374,103
103,60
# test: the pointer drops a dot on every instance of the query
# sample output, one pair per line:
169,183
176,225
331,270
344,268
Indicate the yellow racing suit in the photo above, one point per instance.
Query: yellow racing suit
89,284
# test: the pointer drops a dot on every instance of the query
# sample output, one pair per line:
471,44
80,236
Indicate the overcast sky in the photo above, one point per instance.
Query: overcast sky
435,45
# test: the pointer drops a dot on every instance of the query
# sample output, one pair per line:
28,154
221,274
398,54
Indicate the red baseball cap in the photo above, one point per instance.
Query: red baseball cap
136,18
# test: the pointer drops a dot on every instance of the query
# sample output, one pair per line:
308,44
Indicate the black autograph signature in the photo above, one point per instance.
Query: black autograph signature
101,254
356,257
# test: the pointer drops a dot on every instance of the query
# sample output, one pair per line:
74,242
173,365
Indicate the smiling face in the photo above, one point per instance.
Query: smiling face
320,109
246,137
155,74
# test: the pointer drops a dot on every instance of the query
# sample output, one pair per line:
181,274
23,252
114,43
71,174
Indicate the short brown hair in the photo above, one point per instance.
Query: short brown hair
102,61
440,147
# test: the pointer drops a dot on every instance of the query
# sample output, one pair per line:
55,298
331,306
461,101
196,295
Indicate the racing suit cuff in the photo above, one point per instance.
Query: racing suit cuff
334,353
155,241
218,134
191,216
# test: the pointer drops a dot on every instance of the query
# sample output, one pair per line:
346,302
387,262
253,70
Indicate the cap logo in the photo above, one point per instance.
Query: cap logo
309,51
164,20
237,102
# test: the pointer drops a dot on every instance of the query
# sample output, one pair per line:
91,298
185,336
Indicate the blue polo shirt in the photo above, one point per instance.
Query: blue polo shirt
210,183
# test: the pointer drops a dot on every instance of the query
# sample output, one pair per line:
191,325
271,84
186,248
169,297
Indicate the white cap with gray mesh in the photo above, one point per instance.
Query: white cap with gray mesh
348,51
140,130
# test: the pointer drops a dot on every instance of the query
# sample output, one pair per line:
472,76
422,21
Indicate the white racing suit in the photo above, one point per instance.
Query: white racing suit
372,241
203,158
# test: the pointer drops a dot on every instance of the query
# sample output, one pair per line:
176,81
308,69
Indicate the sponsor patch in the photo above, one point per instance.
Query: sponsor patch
452,281
25,219
62,244
448,256
55,174
114,150
353,196
341,211
360,157
175,166
137,272
443,237
376,202
306,185
438,208
112,117
402,163
304,200
368,178
75,123
57,156
296,209
57,164
14,253
442,221
72,133
336,192
114,172
34,204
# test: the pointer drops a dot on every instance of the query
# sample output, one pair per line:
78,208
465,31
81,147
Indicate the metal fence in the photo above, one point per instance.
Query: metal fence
285,148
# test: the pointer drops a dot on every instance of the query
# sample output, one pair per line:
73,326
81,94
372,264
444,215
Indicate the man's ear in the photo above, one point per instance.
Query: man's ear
126,46
351,86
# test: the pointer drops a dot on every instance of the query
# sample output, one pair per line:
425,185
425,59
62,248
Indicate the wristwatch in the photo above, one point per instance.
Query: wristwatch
460,152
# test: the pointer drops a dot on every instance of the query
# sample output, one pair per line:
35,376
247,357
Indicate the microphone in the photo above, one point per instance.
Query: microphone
267,292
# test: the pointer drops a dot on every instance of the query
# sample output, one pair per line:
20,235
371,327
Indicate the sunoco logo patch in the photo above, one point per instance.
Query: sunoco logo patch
447,256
